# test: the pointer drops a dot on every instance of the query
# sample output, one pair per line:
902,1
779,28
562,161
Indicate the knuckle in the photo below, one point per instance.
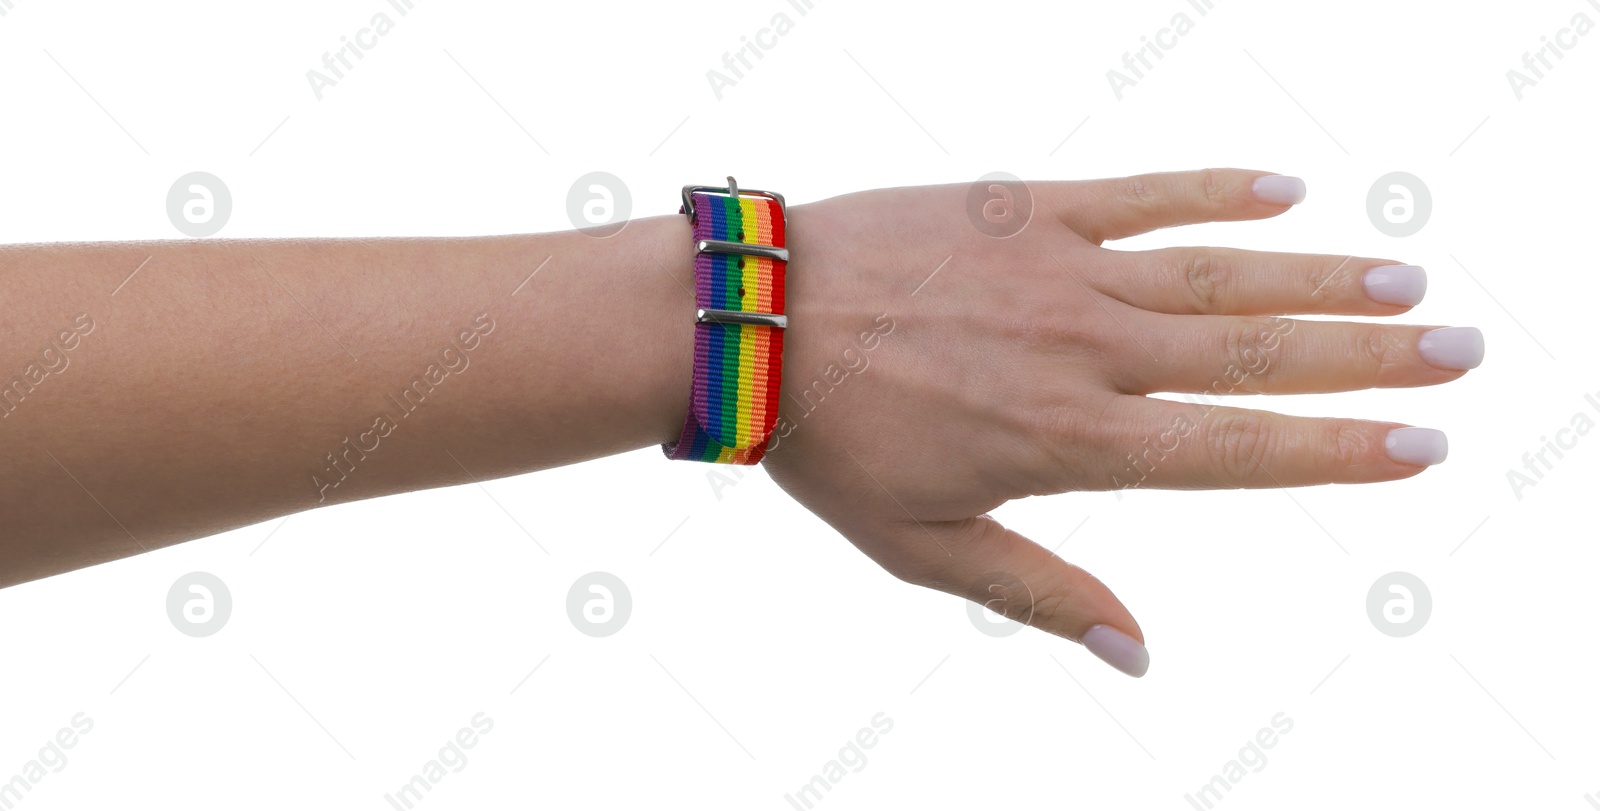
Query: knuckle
1061,441
1347,445
1053,604
1214,188
1041,433
1238,445
1321,280
1207,276
1377,349
1028,331
1249,343
1142,193
1045,325
1067,445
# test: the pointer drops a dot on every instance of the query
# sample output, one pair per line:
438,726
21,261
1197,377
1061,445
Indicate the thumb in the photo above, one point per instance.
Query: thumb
1021,580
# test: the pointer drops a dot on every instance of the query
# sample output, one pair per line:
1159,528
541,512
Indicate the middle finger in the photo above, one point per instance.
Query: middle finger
1226,281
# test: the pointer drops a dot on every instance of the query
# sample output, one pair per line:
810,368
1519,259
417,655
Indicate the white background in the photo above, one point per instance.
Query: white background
363,636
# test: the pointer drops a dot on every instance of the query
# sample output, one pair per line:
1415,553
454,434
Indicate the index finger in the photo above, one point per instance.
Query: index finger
1115,208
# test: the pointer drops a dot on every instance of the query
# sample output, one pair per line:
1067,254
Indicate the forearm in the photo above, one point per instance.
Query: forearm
225,383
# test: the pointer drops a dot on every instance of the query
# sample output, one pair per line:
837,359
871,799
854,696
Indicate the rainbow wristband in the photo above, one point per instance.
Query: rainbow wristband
739,266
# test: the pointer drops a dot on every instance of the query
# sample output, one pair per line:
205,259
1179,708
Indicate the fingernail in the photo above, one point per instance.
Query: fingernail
1416,446
1280,190
1395,284
1117,649
1453,348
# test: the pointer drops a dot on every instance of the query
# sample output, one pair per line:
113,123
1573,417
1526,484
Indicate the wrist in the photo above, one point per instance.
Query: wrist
739,263
601,341
658,356
671,267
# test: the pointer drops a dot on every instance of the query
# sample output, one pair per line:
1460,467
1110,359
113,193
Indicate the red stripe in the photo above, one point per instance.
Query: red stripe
775,345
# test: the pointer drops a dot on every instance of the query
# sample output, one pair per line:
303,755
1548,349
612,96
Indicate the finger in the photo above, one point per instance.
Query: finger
1219,354
1114,208
1224,281
1192,446
1013,576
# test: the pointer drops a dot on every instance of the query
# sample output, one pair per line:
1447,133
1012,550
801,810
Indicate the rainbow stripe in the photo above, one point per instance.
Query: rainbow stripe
736,366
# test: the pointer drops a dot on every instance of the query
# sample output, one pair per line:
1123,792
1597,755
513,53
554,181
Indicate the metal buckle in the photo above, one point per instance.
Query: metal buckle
705,316
741,249
731,190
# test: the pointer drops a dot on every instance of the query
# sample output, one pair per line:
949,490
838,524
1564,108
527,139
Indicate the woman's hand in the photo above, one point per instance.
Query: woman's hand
934,372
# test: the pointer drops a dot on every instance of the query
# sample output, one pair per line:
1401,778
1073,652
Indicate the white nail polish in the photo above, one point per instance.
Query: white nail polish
1282,190
1117,649
1454,348
1416,446
1403,285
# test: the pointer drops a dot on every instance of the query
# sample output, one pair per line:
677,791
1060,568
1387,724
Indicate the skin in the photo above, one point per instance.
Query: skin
218,378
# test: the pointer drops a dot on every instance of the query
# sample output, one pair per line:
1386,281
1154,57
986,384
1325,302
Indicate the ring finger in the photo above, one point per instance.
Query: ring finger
1199,446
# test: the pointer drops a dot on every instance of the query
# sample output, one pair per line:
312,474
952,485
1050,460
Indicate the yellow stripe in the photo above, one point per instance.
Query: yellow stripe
746,342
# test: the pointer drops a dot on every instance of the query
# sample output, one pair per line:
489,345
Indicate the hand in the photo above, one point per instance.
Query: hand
934,373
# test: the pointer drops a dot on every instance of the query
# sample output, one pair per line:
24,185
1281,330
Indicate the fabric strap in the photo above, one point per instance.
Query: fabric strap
734,403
